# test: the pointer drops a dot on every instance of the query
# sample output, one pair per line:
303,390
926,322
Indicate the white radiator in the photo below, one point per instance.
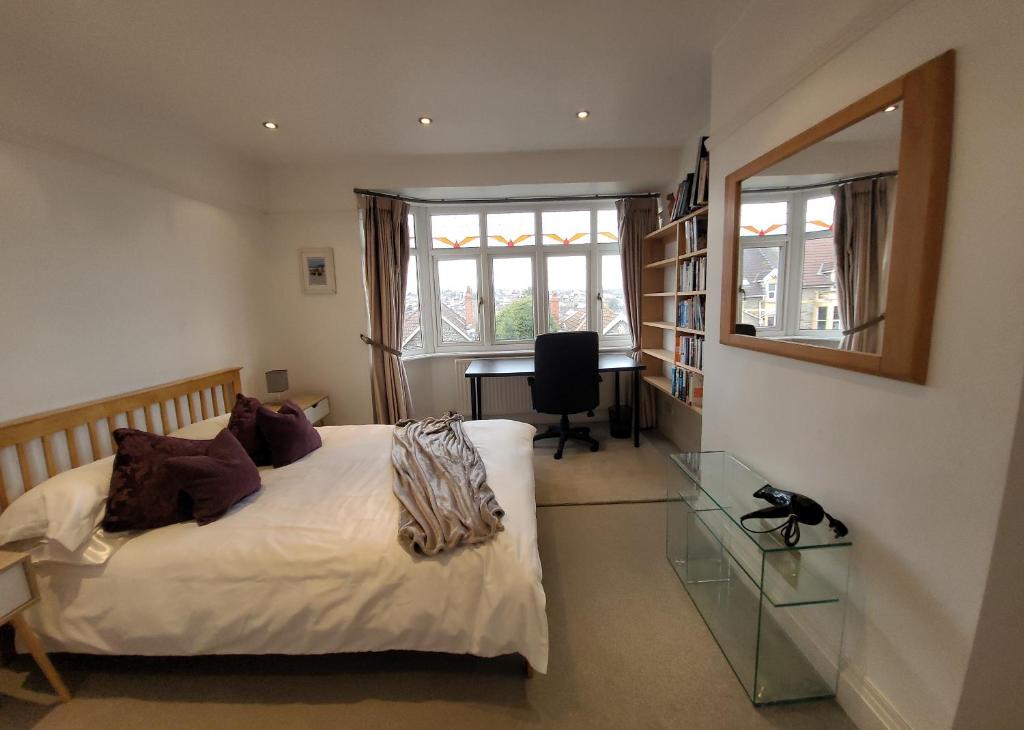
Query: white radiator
501,396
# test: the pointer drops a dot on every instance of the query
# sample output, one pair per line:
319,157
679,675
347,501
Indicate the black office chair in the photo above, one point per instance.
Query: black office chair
565,381
746,329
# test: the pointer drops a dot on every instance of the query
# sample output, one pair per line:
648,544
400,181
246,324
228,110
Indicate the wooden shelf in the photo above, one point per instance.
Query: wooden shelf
662,383
690,331
663,326
671,227
694,254
662,264
661,294
691,369
698,293
664,355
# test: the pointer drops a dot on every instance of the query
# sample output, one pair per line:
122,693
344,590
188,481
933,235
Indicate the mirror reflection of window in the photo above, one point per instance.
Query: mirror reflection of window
790,286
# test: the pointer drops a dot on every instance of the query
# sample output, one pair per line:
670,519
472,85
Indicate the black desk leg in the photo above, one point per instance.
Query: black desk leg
617,401
636,408
472,398
480,398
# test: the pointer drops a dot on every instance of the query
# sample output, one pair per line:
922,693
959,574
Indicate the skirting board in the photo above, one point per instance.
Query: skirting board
866,705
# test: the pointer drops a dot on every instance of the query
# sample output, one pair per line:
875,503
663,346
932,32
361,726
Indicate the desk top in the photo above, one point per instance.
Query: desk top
501,367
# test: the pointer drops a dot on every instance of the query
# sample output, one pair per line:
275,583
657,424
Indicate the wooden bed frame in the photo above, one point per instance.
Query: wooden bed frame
198,396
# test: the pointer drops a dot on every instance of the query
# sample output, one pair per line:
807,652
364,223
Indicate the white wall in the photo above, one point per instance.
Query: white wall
916,472
317,337
108,283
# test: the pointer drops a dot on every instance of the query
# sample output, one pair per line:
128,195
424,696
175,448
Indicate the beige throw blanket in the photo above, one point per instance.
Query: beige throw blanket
441,484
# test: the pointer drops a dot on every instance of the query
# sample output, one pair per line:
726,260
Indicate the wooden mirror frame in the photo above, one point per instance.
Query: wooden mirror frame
919,219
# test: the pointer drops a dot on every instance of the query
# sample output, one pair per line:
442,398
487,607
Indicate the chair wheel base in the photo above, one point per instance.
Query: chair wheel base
564,432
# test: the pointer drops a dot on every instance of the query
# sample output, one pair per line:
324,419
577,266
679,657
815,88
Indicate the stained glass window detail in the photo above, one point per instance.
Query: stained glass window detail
607,226
566,227
455,231
820,214
511,229
763,219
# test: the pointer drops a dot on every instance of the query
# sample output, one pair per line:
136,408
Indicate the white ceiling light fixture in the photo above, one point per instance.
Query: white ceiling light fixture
582,114
425,121
891,108
270,125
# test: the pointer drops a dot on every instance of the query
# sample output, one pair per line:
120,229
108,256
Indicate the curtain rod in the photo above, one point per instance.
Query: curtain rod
478,201
826,183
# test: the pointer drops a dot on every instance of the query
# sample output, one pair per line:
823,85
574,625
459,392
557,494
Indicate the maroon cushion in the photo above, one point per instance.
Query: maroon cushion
289,432
216,480
142,496
242,425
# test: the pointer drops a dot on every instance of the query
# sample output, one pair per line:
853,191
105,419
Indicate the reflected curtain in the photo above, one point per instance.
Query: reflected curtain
637,218
862,231
385,229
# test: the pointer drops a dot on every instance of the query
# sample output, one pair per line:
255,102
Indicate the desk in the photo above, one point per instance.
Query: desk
511,367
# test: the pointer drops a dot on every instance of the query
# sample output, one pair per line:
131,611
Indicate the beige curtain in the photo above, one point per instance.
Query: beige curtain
637,218
863,228
385,265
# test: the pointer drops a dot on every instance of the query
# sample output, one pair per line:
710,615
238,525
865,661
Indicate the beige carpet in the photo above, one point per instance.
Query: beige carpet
618,472
628,650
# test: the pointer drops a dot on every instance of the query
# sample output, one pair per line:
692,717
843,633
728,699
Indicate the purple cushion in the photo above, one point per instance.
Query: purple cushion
289,432
142,496
216,480
242,426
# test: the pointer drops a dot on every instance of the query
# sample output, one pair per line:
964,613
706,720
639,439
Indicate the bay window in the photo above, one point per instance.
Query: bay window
492,277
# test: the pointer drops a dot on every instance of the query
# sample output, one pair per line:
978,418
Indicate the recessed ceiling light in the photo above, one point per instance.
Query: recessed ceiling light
425,121
270,125
891,108
582,114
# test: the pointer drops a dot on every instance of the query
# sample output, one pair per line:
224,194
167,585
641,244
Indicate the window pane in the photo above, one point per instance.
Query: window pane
412,231
567,293
455,231
513,298
412,332
457,284
511,229
820,214
566,227
759,292
607,226
819,296
763,219
613,300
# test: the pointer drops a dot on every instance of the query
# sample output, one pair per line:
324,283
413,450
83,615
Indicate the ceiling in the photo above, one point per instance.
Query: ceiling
351,78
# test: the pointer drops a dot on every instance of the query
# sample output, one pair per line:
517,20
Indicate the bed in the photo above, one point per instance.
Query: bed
310,564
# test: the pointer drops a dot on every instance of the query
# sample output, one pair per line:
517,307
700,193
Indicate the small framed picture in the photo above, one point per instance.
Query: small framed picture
317,268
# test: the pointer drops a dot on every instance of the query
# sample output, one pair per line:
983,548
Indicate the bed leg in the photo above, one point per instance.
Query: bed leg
527,669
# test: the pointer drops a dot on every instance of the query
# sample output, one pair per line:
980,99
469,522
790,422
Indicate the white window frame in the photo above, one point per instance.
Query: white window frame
791,260
429,288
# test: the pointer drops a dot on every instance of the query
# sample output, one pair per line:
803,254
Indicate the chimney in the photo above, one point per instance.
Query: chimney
554,306
470,308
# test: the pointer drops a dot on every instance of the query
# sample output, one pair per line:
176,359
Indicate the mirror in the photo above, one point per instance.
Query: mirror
833,238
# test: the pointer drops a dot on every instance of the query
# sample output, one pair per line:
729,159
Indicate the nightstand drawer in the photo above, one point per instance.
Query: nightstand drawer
319,410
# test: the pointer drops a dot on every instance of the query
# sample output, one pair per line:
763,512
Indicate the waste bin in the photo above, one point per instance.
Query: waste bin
620,421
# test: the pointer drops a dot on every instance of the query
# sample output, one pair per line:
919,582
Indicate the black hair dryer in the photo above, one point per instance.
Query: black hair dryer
796,508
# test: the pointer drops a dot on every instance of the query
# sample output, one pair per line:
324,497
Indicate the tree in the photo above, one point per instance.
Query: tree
515,320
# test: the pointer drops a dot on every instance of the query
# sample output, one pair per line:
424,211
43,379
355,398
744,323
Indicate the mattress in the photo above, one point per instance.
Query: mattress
311,564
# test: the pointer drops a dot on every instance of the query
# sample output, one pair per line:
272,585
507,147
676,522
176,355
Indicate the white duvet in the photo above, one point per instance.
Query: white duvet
311,564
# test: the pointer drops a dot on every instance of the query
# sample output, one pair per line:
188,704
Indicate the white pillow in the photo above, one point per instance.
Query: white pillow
201,430
64,509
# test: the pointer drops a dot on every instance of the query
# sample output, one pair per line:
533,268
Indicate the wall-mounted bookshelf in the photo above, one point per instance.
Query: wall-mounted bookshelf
675,295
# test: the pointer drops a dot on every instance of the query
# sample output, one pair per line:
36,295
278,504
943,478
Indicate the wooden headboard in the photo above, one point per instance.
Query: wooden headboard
73,436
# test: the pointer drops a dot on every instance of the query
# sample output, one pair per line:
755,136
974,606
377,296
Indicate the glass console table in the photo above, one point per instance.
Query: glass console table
776,612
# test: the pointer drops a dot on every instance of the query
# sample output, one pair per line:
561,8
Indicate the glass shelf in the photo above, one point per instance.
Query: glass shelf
776,611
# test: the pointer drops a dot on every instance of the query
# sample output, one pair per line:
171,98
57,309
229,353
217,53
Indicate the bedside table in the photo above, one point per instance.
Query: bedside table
316,407
18,591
